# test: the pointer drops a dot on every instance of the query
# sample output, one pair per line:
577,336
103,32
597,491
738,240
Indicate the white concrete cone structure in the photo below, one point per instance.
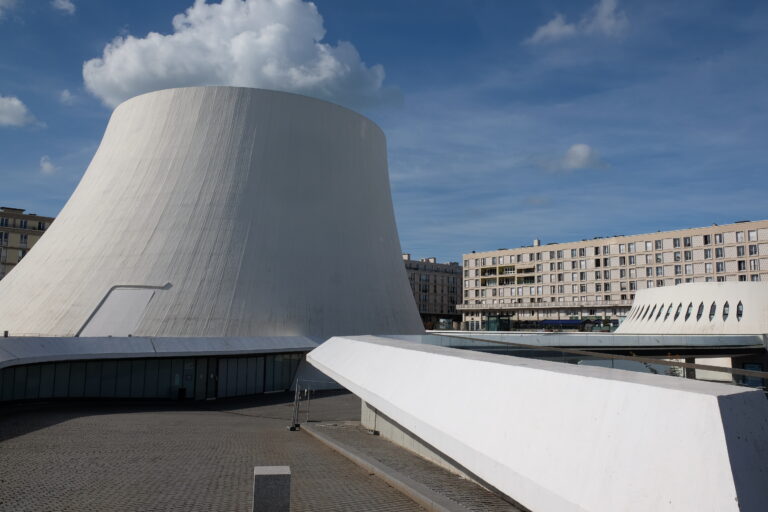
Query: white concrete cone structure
221,211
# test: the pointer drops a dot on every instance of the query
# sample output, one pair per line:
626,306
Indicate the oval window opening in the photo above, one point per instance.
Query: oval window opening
726,311
739,311
689,311
661,310
677,311
650,317
700,311
669,312
712,311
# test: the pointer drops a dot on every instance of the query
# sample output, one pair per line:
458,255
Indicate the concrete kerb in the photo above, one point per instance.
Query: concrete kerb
418,492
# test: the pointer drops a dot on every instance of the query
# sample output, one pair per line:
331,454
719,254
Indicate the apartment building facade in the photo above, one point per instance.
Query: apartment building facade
19,231
436,288
597,279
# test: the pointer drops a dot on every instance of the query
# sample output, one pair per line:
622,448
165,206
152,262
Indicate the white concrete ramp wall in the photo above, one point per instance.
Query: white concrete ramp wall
558,437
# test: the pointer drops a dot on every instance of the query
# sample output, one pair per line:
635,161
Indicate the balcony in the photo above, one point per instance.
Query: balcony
543,305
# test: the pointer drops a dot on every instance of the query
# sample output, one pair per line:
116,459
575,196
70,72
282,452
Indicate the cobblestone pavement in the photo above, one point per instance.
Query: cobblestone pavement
196,456
469,495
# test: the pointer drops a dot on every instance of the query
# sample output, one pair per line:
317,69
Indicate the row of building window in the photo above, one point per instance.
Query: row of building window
649,312
5,222
630,247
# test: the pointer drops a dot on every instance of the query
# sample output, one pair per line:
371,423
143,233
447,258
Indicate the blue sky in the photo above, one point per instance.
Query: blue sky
506,121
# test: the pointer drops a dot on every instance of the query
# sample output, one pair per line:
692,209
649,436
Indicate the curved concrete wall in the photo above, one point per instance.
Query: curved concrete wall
221,211
699,308
558,437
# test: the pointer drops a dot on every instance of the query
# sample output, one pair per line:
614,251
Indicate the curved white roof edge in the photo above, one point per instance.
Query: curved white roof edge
29,350
699,308
560,438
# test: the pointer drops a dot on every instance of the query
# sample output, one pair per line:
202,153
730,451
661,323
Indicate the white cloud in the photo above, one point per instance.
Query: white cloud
13,112
274,44
604,19
46,165
66,97
6,5
64,5
579,156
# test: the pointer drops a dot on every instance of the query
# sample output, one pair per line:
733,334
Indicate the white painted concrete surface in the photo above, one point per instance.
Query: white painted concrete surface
687,308
559,437
268,213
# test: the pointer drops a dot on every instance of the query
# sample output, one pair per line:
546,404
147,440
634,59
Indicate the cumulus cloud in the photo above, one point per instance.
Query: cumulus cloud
13,112
603,19
579,156
273,44
6,5
66,97
65,6
46,165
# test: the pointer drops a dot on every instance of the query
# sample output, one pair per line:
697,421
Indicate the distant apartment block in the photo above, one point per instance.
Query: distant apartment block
437,289
597,279
19,231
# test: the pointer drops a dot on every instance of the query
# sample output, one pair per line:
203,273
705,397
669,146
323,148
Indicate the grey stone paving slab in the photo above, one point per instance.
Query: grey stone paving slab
470,496
185,457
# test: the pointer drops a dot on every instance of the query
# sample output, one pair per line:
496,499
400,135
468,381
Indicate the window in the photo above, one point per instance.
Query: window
597,251
622,260
726,311
622,248
700,311
740,237
753,250
597,262
648,246
754,277
707,254
606,250
678,270
739,311
719,252
752,235
657,245
606,274
573,253
688,311
742,278
669,310
3,238
675,243
23,239
688,255
740,251
4,222
708,268
659,271
632,285
582,252
622,273
678,256
742,265
652,312
648,271
659,258
559,254
687,241
661,310
598,287
23,224
632,260
720,279
649,284
718,238
720,266
631,247
678,281
677,311
659,283
688,268
707,239
754,264
712,311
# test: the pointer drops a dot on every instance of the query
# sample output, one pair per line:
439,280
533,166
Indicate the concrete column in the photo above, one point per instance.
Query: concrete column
271,489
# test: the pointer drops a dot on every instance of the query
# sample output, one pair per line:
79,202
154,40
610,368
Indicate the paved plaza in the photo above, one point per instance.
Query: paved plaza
195,456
